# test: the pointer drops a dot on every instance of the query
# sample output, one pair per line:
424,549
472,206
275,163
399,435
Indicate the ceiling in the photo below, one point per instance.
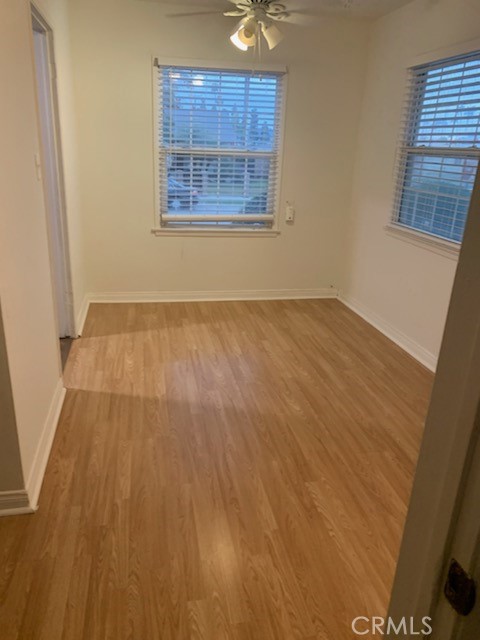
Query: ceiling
357,8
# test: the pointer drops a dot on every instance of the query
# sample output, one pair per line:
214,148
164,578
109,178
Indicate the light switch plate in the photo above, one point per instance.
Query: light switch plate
290,212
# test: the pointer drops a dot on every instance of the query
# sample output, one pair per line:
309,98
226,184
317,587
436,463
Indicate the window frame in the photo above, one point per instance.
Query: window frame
443,246
202,230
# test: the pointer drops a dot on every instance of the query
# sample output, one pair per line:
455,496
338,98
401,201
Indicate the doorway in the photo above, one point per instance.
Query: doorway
51,167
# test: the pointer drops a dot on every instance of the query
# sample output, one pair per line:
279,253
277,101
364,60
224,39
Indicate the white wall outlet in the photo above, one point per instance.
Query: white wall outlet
290,212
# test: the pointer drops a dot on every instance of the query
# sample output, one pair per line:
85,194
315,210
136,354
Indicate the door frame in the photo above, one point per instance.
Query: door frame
58,238
448,443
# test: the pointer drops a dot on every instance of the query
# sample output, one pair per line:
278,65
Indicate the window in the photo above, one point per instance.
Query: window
218,147
440,147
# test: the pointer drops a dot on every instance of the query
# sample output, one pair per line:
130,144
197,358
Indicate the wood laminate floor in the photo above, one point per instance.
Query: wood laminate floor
234,470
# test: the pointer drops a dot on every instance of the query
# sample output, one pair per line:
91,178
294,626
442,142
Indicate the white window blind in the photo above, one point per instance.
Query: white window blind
440,147
218,145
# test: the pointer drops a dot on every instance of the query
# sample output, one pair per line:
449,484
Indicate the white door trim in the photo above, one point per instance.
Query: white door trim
53,177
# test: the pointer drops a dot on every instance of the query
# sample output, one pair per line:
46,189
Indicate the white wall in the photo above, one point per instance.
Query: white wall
25,279
402,287
113,41
26,291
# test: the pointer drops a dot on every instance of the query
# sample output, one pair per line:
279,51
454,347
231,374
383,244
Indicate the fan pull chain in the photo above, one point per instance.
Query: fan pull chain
257,49
259,40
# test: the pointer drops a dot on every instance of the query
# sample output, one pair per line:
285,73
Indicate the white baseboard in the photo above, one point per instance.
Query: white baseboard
37,472
82,315
14,503
211,296
429,360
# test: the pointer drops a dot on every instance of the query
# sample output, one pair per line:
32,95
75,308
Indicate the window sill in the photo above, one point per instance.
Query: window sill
432,243
218,233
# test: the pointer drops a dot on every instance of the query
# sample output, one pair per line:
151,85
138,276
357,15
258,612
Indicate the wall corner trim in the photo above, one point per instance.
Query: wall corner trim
82,316
211,296
37,472
429,360
14,503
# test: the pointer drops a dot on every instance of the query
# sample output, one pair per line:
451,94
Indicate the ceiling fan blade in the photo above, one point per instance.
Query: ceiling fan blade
234,14
191,13
298,18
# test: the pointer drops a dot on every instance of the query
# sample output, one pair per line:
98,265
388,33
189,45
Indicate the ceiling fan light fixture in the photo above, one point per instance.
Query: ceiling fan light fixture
272,35
234,39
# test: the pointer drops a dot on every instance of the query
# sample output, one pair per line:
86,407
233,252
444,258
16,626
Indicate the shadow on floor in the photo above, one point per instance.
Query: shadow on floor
65,346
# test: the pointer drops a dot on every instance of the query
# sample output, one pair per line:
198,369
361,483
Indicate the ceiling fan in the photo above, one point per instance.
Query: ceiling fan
258,18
